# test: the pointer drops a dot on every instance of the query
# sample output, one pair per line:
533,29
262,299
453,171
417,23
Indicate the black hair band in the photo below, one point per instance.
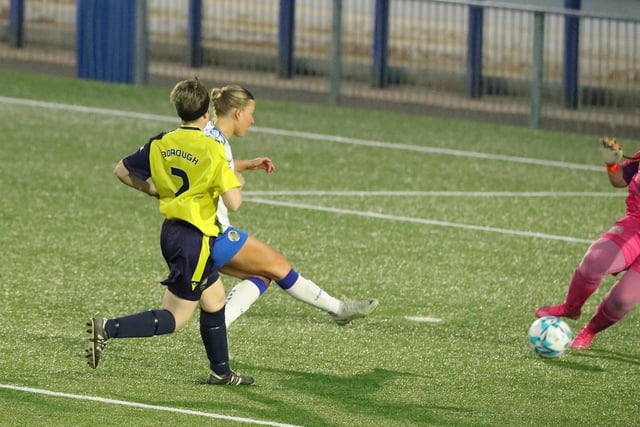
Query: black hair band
198,113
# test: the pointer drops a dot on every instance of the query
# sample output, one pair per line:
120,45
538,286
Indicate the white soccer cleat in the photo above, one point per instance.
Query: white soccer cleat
354,309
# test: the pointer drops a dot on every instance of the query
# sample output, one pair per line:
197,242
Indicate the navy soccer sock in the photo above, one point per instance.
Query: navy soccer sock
289,280
143,324
214,336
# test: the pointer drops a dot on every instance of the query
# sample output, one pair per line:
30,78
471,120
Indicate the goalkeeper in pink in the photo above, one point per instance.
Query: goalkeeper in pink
616,251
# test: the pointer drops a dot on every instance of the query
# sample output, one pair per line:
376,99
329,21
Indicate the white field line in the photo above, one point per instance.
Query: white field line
423,149
514,194
423,319
354,141
304,135
417,220
144,406
89,110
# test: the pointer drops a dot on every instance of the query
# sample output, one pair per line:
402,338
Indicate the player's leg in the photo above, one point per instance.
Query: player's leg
180,308
243,294
250,288
620,300
186,252
257,258
604,256
214,336
143,324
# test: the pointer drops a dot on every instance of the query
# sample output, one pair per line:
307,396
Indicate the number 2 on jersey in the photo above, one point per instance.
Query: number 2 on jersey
185,180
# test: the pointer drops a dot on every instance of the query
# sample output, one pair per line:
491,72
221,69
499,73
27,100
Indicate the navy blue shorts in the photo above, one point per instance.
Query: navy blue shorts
188,254
228,243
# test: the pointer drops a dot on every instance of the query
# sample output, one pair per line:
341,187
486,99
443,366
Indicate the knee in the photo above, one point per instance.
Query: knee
213,306
180,323
180,320
276,266
213,298
616,306
592,267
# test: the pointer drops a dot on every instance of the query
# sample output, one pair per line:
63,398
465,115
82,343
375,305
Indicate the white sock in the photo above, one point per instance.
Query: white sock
239,300
307,291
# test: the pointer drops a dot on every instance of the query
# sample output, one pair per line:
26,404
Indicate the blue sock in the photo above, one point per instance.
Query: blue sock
288,280
214,336
260,284
143,324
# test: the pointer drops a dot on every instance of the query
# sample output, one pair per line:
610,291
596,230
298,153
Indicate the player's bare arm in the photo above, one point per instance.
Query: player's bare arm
233,198
240,177
264,163
133,181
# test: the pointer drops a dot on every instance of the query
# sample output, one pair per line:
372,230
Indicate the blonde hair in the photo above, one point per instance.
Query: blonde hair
190,98
225,99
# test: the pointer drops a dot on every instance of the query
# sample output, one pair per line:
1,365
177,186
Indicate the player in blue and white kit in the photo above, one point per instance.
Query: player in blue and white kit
238,254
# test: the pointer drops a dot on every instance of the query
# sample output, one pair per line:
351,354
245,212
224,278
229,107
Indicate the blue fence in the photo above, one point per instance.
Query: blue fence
541,67
110,39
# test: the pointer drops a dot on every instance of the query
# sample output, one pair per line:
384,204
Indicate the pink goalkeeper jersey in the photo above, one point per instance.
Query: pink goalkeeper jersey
631,175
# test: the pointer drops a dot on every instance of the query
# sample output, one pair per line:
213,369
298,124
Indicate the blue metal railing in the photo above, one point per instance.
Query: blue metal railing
114,45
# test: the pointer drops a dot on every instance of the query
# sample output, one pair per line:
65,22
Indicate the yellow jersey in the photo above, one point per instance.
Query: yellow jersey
190,172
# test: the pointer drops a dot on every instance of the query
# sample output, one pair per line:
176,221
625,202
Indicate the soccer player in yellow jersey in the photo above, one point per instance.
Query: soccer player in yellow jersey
187,171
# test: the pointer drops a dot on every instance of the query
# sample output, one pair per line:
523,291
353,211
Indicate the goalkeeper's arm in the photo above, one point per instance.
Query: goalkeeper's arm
612,155
616,178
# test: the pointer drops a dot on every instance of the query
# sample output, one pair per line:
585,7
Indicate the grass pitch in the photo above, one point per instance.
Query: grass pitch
470,226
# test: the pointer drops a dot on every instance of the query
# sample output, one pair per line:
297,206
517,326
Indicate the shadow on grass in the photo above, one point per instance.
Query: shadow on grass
574,365
357,395
609,355
587,355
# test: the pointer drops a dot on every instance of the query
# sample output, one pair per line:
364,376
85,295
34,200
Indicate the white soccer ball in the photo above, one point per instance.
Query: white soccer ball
549,336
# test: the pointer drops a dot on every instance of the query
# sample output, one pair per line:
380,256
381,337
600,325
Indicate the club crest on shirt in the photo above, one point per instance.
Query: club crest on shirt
233,236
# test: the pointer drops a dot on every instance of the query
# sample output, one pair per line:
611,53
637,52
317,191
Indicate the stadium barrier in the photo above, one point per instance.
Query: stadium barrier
508,63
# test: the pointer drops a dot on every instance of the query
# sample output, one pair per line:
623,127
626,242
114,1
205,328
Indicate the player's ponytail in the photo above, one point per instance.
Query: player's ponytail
226,99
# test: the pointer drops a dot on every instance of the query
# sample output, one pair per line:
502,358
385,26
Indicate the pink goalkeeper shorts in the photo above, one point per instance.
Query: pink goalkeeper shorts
626,233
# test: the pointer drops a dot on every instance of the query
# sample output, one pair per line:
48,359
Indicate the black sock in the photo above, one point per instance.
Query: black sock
214,336
143,324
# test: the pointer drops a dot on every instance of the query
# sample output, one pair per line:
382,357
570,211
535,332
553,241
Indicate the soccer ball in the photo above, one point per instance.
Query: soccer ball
549,336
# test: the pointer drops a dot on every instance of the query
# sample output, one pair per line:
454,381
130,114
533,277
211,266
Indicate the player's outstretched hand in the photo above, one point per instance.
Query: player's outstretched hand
611,151
263,163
